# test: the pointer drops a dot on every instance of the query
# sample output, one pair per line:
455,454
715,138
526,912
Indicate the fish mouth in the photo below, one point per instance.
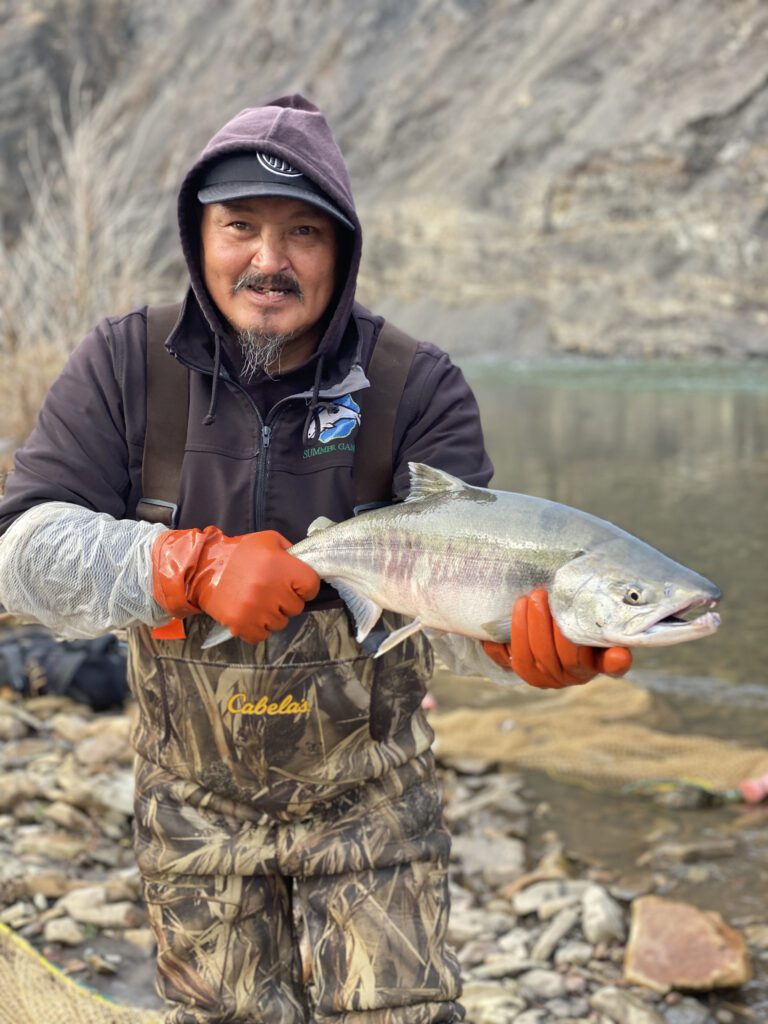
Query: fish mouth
691,619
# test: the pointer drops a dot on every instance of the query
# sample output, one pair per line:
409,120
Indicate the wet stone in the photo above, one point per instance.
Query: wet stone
628,887
102,964
529,900
11,728
689,853
603,918
550,908
547,942
676,945
68,817
476,924
574,954
476,952
567,1009
504,966
532,1017
541,984
688,1011
624,1008
518,940
69,727
65,931
103,748
486,1001
496,859
20,753
28,812
50,846
18,914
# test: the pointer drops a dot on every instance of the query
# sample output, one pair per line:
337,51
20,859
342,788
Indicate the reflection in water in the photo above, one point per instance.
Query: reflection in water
675,454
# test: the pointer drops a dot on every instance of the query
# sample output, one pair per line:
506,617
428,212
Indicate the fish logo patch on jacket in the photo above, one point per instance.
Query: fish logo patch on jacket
333,421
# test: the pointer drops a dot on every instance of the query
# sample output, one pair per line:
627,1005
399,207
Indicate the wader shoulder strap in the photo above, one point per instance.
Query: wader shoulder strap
387,372
167,408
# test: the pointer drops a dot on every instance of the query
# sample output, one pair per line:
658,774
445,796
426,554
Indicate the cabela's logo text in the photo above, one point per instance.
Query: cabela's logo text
239,704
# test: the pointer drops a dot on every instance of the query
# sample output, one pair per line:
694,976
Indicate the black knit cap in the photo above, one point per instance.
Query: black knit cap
248,175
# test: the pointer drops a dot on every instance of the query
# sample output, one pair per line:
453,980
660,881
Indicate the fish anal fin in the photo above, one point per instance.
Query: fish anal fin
397,637
499,630
427,482
365,611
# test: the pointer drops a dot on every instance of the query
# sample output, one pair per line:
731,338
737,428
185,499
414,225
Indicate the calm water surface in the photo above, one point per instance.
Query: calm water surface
674,453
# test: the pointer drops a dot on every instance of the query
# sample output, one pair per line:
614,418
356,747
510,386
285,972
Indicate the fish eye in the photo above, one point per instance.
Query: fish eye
633,594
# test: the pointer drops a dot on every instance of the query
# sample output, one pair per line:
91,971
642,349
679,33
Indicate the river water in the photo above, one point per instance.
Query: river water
673,452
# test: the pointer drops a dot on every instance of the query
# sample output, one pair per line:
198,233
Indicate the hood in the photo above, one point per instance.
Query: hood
293,128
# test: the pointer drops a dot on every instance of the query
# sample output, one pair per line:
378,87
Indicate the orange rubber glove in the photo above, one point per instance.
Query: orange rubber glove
539,653
247,583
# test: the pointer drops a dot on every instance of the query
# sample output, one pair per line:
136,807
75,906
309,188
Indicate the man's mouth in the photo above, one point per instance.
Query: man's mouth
270,288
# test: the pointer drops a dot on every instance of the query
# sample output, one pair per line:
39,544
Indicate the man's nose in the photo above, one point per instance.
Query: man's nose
269,255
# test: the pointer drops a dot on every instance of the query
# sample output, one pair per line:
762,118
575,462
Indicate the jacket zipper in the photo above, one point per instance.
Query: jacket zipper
262,473
261,479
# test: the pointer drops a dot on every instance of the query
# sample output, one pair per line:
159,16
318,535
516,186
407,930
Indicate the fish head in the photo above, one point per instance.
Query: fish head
624,592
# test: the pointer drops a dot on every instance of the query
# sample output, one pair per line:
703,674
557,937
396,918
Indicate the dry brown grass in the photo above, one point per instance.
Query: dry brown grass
91,247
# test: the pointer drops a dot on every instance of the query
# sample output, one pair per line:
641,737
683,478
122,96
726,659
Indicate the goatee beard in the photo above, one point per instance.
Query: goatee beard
260,351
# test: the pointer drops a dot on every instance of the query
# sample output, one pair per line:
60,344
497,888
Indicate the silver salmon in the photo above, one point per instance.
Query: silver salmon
455,557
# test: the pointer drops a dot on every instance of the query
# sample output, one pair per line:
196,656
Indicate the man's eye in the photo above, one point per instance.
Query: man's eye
306,229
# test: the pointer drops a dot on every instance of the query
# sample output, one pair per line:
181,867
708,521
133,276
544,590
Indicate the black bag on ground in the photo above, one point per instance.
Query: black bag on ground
93,672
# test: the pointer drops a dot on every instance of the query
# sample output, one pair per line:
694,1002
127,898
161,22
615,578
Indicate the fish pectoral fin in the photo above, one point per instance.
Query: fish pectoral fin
217,635
427,482
365,611
397,637
321,523
498,630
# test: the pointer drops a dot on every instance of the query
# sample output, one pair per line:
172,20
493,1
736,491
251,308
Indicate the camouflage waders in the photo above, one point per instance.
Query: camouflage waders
289,829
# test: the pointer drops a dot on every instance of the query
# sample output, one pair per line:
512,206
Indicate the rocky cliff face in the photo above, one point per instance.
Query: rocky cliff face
534,176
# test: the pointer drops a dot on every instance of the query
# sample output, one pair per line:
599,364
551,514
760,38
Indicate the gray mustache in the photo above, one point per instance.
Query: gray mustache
253,279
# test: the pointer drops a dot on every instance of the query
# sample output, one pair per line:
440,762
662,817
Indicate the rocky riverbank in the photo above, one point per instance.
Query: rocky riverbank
540,935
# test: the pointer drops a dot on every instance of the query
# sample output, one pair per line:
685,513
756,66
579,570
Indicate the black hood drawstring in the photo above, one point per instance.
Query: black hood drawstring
313,416
211,414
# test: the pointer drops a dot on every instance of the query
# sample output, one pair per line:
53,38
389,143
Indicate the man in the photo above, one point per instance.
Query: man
288,820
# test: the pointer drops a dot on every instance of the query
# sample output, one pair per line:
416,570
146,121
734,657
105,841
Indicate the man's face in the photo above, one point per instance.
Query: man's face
269,265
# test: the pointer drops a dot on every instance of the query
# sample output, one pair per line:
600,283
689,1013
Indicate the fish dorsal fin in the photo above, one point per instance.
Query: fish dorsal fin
321,523
427,482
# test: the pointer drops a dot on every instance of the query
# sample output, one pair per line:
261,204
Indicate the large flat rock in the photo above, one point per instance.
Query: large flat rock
676,945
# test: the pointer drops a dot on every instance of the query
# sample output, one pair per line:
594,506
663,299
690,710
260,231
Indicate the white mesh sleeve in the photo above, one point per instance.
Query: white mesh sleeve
78,572
465,656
